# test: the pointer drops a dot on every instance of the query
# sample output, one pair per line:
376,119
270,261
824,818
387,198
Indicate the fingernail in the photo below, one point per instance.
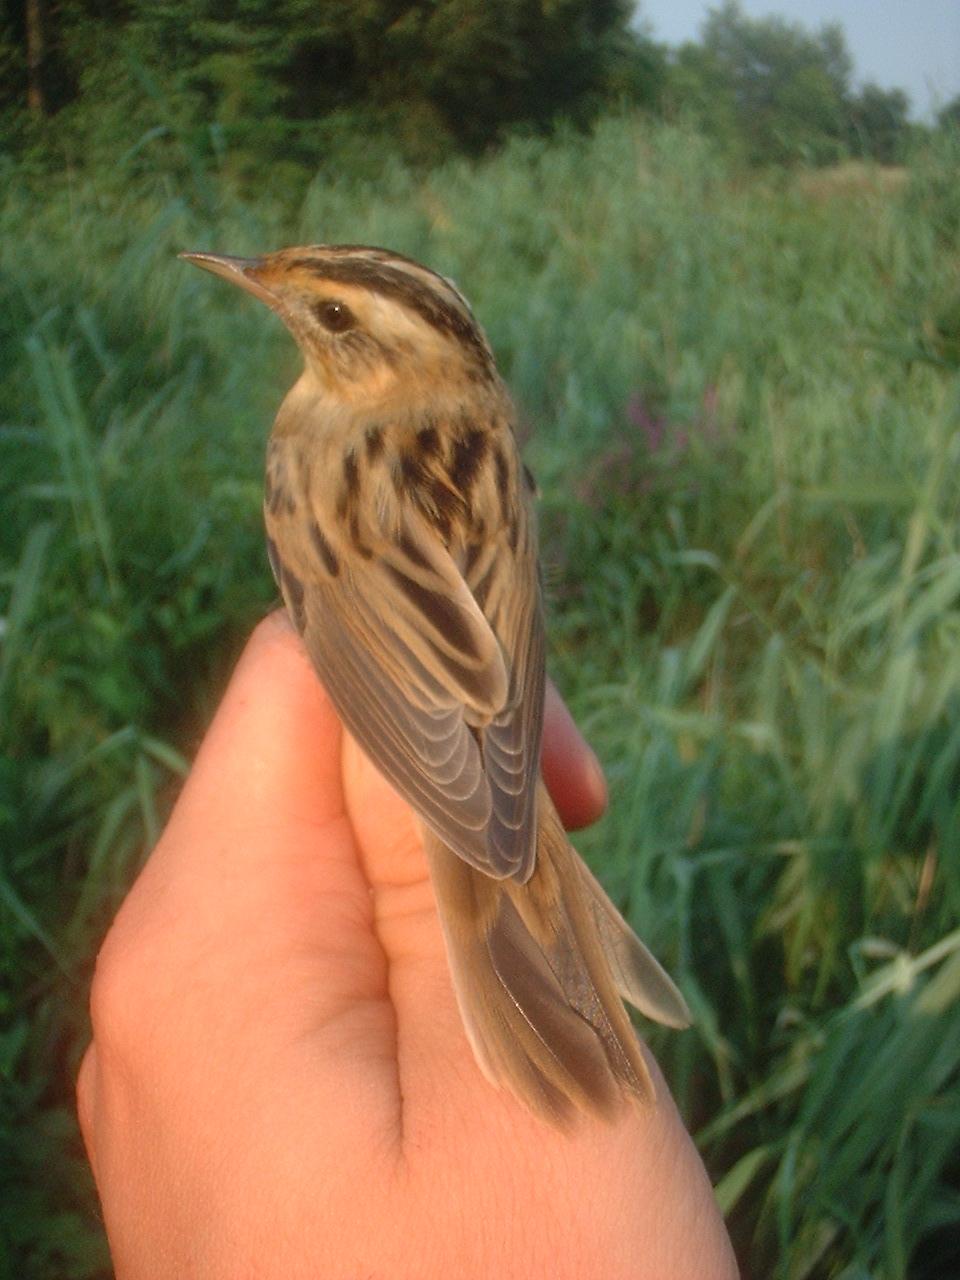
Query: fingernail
597,779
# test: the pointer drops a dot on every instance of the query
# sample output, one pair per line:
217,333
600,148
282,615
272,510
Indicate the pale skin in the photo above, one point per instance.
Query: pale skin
279,1083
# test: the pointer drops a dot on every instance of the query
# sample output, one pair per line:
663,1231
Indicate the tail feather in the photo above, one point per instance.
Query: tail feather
559,1051
640,978
539,970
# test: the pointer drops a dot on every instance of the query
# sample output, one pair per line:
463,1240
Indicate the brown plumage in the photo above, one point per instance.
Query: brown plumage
401,532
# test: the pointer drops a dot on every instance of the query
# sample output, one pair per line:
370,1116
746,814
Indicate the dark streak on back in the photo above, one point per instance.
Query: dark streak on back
481,588
447,507
274,557
469,452
471,556
513,530
412,551
503,484
359,545
374,443
428,441
351,474
442,612
276,494
347,497
327,554
411,473
293,591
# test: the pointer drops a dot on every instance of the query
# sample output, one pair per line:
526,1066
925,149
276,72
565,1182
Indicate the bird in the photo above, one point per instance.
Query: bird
401,530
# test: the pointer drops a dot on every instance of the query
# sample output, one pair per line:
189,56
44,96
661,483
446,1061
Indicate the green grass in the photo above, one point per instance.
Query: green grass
743,406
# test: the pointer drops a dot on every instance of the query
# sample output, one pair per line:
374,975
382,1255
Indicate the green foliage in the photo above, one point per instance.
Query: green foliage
880,122
265,78
296,85
788,87
774,93
745,402
948,117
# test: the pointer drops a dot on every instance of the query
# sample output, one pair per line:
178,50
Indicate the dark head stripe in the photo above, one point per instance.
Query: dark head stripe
387,257
395,282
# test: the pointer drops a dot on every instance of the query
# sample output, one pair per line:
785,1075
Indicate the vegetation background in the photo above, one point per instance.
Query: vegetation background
733,328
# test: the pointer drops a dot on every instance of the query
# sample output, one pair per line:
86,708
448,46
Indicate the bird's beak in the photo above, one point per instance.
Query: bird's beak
244,272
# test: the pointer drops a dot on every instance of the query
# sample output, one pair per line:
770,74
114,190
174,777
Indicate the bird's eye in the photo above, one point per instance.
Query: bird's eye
334,315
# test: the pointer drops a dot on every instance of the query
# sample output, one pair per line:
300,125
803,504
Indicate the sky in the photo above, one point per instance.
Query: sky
898,44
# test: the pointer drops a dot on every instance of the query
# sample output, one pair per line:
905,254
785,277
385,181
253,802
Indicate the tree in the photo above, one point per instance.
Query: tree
36,51
477,67
460,70
880,124
776,89
948,117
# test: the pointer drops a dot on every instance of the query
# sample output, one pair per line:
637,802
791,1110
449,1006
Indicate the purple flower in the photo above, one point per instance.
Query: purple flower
652,427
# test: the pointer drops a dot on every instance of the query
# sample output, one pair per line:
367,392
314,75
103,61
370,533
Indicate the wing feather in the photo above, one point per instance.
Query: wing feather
438,674
427,754
505,582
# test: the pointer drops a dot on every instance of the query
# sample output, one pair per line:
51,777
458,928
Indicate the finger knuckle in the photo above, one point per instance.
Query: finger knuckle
119,994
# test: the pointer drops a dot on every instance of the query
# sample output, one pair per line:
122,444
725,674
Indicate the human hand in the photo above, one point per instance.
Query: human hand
279,1084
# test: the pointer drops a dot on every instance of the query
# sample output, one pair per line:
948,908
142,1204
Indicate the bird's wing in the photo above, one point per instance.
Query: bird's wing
415,669
504,579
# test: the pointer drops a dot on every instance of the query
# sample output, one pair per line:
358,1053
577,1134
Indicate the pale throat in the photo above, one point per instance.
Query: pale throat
319,398
340,403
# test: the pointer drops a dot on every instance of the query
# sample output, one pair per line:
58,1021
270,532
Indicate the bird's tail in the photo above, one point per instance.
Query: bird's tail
540,971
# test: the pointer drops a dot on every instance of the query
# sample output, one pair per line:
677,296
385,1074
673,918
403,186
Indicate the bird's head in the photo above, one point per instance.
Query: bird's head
367,320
